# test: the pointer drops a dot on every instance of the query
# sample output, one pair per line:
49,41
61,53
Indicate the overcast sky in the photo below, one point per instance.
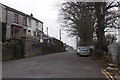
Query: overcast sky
45,11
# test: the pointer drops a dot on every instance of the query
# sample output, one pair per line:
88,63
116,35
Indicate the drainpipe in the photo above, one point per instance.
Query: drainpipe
6,21
6,18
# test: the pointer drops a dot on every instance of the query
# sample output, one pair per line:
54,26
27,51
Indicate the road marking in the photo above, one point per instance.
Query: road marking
107,74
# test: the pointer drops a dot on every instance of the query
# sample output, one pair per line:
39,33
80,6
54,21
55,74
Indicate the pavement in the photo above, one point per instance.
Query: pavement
58,65
112,70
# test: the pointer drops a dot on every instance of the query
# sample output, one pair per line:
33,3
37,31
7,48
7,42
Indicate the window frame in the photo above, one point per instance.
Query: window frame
29,22
16,16
34,33
36,24
25,21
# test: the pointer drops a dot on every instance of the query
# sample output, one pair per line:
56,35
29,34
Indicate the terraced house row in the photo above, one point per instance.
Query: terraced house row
19,24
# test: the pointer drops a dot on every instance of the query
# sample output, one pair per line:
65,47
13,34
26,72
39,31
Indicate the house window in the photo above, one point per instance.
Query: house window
38,34
37,24
15,30
29,20
16,18
34,34
25,21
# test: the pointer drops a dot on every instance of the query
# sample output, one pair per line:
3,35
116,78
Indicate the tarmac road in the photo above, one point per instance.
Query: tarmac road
58,65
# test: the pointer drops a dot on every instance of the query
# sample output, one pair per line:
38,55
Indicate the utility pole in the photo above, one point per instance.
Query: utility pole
60,34
60,40
76,42
47,31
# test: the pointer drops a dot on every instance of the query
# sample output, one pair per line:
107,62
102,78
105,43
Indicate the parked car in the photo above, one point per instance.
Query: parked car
83,51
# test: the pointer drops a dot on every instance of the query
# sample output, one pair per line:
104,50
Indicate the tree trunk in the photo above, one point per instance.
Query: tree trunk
100,14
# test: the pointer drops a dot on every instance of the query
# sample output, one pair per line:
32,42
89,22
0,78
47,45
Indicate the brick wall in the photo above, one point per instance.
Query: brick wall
28,47
32,48
20,48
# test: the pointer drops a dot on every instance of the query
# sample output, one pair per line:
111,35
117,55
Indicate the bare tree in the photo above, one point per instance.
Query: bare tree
85,18
77,18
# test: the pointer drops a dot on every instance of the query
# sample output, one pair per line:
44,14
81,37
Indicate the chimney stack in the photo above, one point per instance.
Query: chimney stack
31,15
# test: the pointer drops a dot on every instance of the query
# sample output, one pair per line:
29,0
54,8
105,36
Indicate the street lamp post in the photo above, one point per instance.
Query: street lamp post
47,31
60,34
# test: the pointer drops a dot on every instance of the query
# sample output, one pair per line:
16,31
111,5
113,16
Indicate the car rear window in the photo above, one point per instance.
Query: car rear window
84,49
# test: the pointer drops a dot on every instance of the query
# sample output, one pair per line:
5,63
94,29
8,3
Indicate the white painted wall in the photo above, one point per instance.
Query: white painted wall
40,25
28,26
2,13
8,31
33,26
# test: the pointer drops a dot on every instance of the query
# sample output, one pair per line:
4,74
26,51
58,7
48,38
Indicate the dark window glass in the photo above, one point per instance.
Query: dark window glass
34,34
29,20
15,18
25,21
